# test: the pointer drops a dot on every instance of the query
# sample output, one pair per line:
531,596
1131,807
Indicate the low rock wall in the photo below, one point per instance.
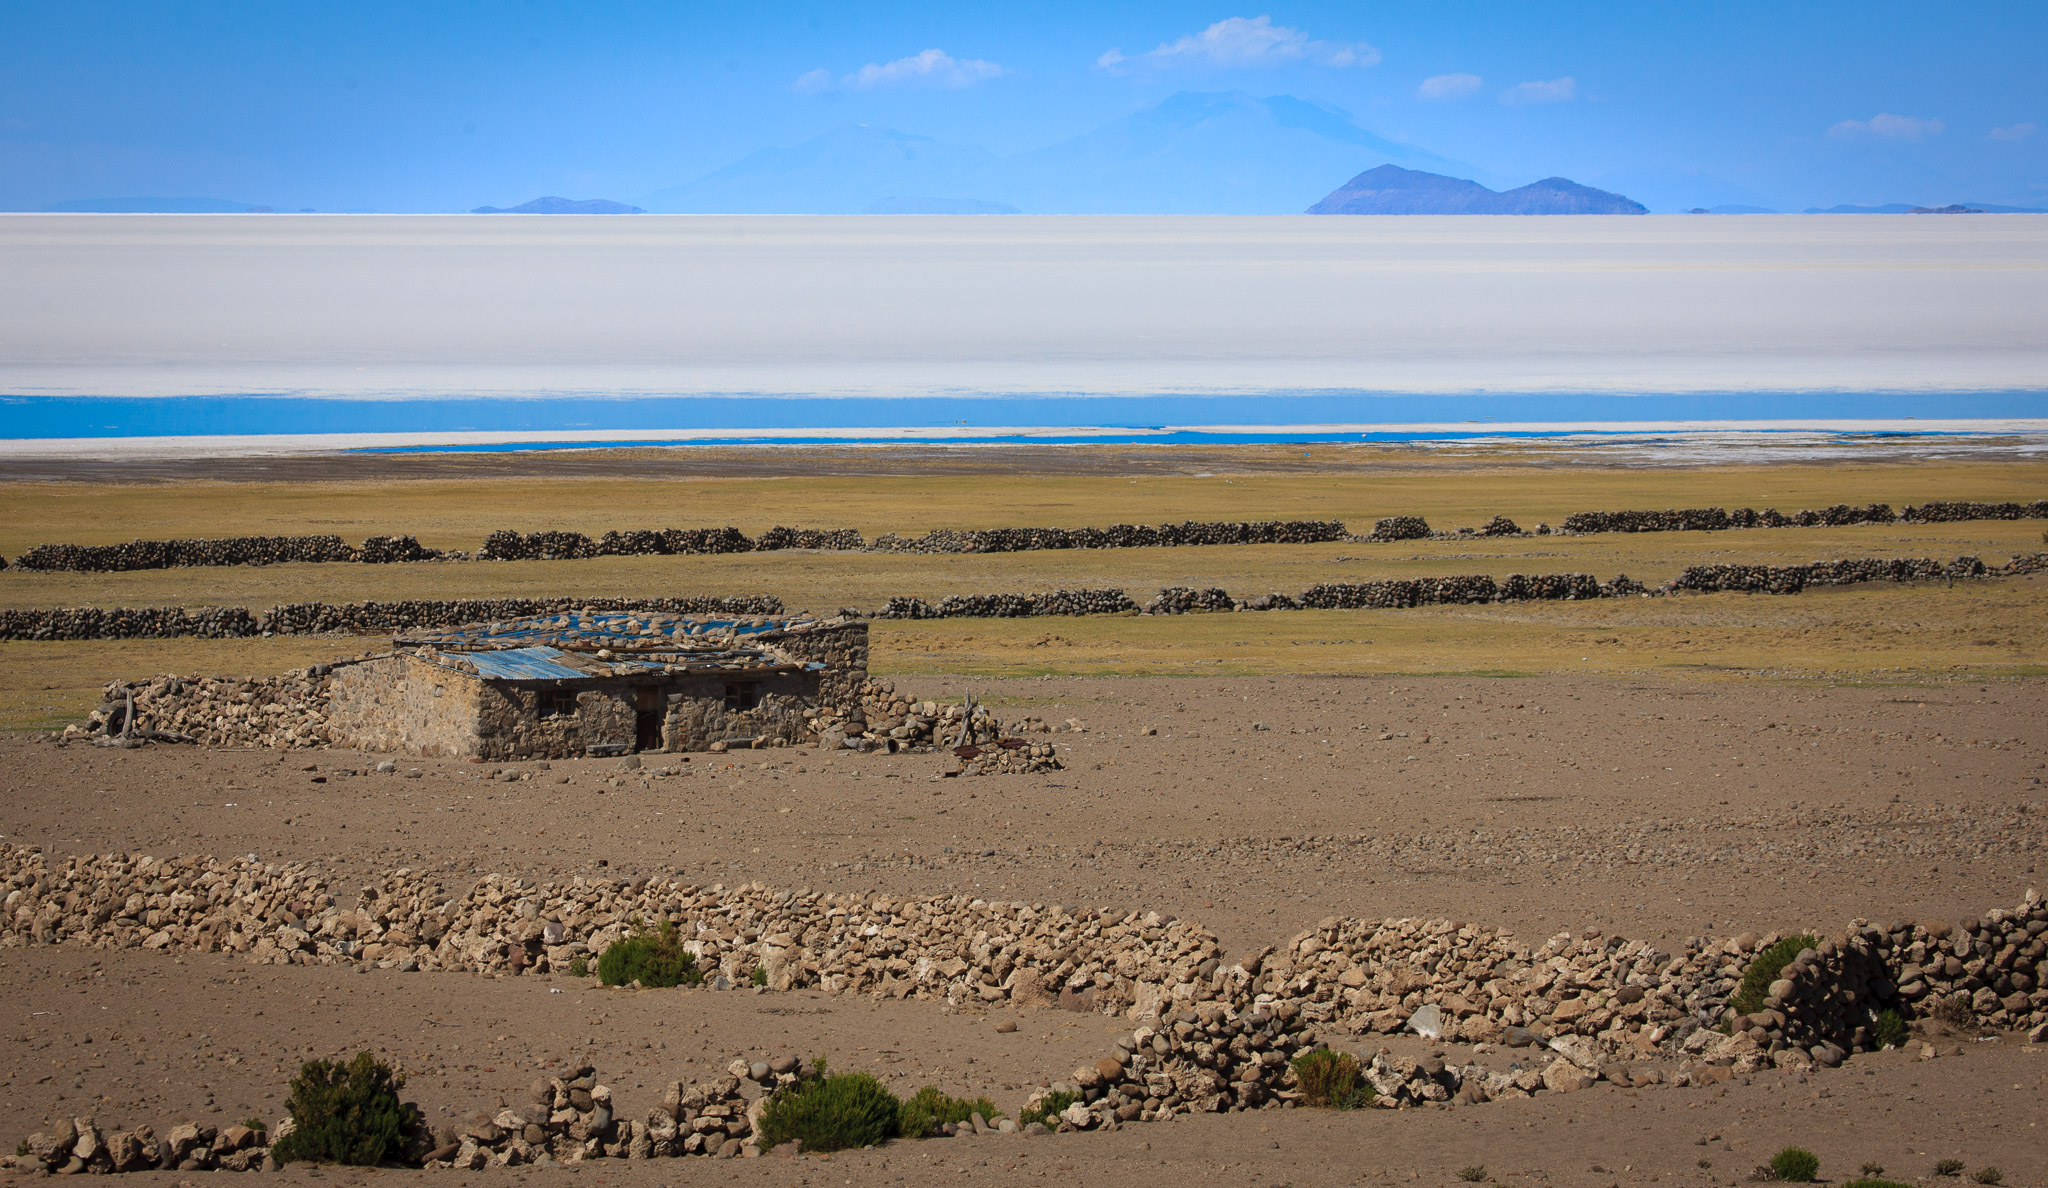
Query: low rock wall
329,618
1010,606
1116,536
1791,579
1617,996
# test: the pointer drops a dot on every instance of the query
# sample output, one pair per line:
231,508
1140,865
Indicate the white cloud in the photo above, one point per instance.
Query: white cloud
2013,132
1448,86
1557,90
1238,42
1886,126
932,68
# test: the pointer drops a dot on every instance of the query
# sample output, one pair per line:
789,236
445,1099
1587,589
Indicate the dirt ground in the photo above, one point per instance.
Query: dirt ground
1650,808
1653,769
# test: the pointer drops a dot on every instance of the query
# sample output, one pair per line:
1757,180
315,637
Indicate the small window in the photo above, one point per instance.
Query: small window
742,695
557,703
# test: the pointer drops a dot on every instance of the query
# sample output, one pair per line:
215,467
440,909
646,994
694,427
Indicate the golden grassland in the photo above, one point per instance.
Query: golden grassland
458,512
1885,633
1982,630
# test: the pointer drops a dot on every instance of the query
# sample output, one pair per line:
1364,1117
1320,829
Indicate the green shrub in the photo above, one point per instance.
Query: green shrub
1796,1165
1756,982
1047,1111
579,967
1949,1167
1889,1031
21,1149
1873,1169
931,1109
760,975
1472,1175
1988,1175
654,958
346,1113
831,1112
1329,1080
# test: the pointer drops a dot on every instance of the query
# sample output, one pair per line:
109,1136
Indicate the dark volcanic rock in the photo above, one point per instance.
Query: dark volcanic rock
1390,189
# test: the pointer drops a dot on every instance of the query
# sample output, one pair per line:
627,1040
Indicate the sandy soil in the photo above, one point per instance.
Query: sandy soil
1259,806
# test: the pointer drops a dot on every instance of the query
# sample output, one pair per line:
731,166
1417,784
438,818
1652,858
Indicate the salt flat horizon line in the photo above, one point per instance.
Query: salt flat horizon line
1615,432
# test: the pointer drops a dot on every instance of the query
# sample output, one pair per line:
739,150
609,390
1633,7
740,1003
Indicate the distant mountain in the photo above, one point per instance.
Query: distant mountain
1911,208
1193,153
938,206
156,206
1392,190
1887,208
571,206
845,171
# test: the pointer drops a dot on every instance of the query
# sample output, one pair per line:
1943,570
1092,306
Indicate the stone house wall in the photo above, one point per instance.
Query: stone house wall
403,704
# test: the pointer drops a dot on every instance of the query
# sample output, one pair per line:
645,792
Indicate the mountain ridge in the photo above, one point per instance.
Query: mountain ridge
1392,190
563,206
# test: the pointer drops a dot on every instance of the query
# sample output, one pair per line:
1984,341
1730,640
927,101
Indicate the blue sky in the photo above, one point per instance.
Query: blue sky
433,107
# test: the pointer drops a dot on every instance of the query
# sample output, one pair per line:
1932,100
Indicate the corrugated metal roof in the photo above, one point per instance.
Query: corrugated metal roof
524,664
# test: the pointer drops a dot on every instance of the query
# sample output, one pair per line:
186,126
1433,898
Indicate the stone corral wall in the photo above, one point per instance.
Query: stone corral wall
403,705
172,554
280,711
1593,999
329,618
1716,519
1116,536
1791,579
1010,606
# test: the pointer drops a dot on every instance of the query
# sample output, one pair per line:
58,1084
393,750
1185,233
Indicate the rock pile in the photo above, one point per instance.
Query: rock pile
569,1120
1936,512
1596,999
280,711
1498,526
1006,756
1116,536
1010,606
1400,528
143,622
362,618
384,550
830,539
1200,1059
329,618
1186,600
1791,579
78,1145
174,554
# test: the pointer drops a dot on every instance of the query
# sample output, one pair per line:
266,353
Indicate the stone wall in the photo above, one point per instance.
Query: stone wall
329,618
279,711
1596,999
403,705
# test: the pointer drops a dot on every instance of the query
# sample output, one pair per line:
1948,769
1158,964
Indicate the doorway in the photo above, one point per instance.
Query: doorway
647,718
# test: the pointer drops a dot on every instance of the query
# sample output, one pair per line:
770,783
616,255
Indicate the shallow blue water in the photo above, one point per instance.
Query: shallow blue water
755,418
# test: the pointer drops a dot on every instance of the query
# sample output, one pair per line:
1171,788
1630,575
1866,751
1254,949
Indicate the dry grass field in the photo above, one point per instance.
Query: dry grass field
1872,633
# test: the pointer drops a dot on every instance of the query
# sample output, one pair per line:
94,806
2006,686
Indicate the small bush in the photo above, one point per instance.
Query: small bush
256,1124
1472,1175
930,1109
1874,1182
1756,981
1047,1111
1954,1011
579,967
654,958
760,975
21,1149
346,1113
1329,1080
1889,1032
1873,1168
1949,1167
831,1112
1988,1175
1796,1165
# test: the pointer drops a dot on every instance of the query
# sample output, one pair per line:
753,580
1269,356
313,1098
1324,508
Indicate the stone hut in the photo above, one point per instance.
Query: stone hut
601,683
